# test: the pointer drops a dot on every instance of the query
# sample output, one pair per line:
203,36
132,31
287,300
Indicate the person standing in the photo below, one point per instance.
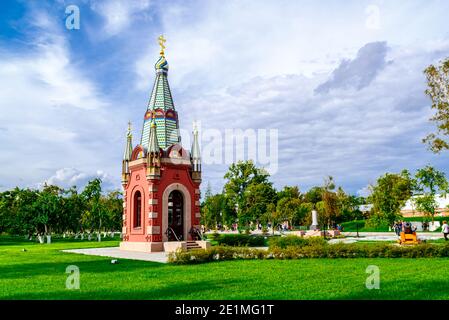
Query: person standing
445,229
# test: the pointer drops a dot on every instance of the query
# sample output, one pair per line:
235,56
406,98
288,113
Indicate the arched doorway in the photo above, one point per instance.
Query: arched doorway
137,210
175,216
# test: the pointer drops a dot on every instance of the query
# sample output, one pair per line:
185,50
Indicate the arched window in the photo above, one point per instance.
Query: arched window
137,210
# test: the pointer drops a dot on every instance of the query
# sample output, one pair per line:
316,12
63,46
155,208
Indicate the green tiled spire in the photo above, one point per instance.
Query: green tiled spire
161,107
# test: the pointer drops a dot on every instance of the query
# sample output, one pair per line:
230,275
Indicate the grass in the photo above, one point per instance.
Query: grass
39,273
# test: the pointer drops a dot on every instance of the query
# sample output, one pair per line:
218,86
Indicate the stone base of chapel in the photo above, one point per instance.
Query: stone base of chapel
142,246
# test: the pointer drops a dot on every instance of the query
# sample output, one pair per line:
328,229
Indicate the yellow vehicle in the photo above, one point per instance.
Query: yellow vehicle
408,236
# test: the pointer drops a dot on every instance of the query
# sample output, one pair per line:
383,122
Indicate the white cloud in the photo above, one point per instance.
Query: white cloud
68,177
51,115
118,14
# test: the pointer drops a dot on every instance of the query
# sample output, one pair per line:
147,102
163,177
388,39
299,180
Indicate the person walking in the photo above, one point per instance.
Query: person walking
445,229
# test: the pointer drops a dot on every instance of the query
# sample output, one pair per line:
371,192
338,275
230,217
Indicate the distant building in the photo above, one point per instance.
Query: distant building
409,210
365,208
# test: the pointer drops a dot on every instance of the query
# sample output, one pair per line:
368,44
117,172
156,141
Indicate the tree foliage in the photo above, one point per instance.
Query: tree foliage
438,91
389,195
428,183
55,210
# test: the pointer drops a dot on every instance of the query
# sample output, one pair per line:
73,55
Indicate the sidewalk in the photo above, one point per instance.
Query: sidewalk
115,252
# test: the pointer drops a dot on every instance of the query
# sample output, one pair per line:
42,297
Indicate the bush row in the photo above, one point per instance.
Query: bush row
287,241
341,250
217,253
238,240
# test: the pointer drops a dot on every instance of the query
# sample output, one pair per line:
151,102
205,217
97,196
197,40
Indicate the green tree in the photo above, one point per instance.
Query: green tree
94,214
214,211
438,91
349,205
289,192
257,197
47,208
289,209
272,216
113,206
429,183
389,195
314,195
331,205
72,208
239,176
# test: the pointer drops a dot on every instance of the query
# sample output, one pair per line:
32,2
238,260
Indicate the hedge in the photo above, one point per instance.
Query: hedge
284,242
241,240
340,250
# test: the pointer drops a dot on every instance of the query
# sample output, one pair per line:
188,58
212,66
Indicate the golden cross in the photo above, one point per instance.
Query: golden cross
161,41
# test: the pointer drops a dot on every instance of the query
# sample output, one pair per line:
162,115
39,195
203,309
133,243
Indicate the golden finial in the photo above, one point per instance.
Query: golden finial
161,41
129,127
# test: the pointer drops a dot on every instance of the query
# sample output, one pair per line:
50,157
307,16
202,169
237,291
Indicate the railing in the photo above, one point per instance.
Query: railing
171,231
196,232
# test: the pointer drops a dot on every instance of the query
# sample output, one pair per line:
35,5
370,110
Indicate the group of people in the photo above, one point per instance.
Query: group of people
402,226
406,227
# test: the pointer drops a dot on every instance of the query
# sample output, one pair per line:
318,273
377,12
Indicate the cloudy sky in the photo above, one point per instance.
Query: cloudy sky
342,84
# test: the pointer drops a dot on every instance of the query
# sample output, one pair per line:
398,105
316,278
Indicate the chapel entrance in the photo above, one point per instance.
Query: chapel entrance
175,230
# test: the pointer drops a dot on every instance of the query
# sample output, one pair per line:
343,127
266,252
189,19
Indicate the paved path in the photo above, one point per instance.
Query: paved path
115,252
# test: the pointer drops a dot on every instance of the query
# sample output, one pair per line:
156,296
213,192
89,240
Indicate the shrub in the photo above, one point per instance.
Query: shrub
215,236
241,240
218,253
314,250
287,241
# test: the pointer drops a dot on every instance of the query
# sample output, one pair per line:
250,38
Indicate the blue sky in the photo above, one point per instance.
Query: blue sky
342,83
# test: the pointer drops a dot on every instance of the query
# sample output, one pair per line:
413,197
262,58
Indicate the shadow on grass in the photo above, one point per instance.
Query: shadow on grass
94,265
173,291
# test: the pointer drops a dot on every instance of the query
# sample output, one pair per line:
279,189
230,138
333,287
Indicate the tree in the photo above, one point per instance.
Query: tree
389,195
331,207
72,208
289,209
94,215
113,207
349,205
273,216
214,210
239,176
47,206
438,91
256,198
314,195
429,182
289,192
290,205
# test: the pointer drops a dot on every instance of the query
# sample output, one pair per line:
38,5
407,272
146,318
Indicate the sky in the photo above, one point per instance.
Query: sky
341,83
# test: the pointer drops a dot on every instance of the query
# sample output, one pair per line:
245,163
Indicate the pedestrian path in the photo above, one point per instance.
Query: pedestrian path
115,252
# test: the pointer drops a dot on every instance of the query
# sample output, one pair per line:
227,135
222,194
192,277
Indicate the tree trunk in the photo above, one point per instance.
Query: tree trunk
40,238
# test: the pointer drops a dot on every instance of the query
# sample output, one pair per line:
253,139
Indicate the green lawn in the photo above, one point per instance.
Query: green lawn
39,273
